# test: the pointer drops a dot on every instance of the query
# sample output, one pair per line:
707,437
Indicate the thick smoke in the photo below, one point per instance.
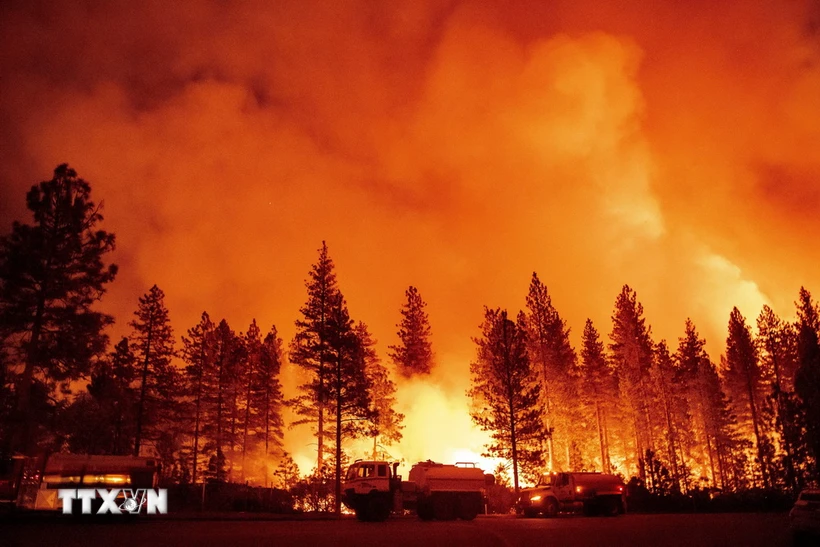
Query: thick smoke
453,146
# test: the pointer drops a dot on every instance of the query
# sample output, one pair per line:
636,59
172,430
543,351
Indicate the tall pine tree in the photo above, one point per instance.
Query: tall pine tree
777,345
348,388
555,360
51,274
807,379
599,387
414,353
219,384
153,342
505,393
631,350
267,395
744,382
197,351
310,348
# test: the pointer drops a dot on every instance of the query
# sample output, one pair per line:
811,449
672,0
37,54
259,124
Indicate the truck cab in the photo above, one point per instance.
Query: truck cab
364,477
369,489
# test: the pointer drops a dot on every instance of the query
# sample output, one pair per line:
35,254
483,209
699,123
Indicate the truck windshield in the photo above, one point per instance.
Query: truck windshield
366,470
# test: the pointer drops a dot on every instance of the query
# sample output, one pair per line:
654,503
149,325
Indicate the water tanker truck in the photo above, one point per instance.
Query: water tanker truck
373,490
592,493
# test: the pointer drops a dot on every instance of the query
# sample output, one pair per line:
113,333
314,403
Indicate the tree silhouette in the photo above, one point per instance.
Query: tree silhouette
600,389
153,341
310,347
51,274
414,353
631,350
197,351
267,393
505,393
555,361
807,380
744,381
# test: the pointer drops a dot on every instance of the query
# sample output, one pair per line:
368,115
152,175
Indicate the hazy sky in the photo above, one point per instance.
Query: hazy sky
454,146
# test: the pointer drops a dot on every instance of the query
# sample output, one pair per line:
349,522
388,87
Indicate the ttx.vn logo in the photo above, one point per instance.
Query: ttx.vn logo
115,501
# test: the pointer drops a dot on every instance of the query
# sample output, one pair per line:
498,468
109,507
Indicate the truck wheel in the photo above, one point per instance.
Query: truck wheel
443,508
362,513
425,510
378,509
551,508
468,508
612,508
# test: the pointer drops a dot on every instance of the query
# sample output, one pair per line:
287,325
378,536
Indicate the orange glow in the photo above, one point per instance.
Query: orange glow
672,146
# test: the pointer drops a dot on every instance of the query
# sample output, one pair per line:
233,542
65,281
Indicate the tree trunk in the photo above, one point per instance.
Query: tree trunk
511,405
338,484
141,405
24,442
196,417
753,408
600,436
247,418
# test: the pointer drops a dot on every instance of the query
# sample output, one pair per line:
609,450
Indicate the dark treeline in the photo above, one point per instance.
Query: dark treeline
673,419
210,404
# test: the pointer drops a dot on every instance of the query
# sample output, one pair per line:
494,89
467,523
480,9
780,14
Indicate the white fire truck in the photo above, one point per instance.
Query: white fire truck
592,493
435,491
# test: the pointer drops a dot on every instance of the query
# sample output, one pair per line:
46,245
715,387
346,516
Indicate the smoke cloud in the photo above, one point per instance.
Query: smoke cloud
454,146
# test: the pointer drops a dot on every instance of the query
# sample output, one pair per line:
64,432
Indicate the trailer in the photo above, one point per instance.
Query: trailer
35,480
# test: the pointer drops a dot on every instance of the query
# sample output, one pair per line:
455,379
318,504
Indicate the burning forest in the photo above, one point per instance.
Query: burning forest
544,238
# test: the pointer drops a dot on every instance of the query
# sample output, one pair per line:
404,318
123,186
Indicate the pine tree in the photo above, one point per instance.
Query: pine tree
744,380
197,351
777,345
348,387
267,393
414,354
555,361
670,394
51,274
153,341
310,347
218,387
505,393
111,386
691,359
384,423
599,387
713,444
807,379
631,351
248,376
723,442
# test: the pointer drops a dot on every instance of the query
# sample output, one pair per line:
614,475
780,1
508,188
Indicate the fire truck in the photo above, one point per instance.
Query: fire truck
592,493
373,489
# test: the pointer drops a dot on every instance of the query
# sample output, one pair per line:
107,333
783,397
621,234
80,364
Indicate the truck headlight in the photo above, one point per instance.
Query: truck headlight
535,498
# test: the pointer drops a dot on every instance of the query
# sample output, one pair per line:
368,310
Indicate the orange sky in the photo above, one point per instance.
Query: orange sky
455,146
